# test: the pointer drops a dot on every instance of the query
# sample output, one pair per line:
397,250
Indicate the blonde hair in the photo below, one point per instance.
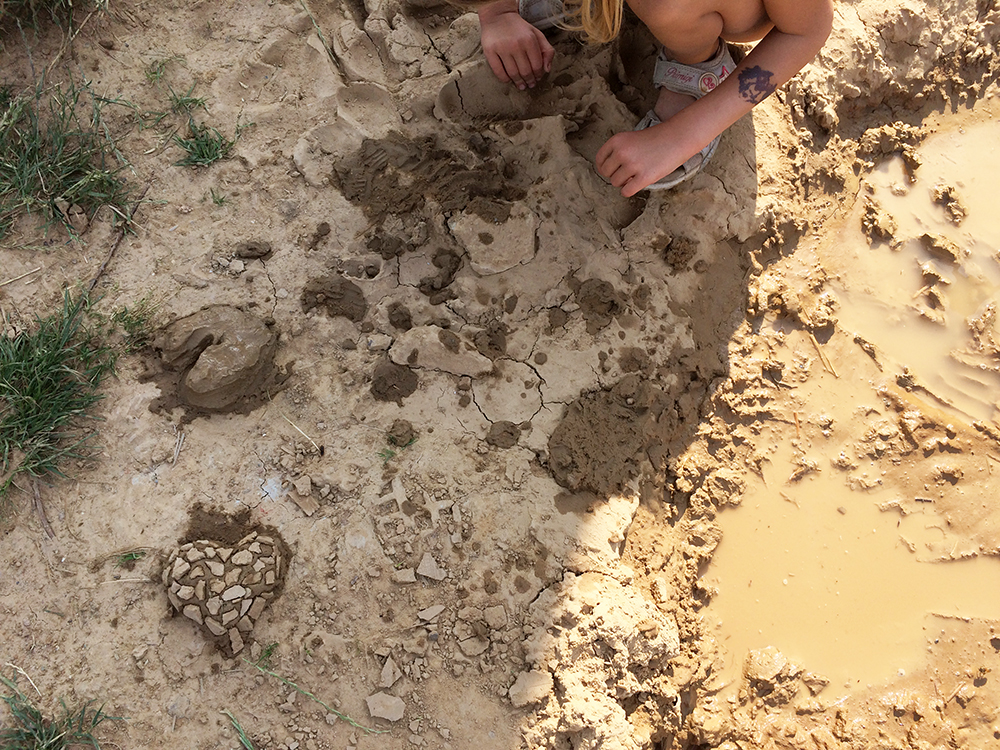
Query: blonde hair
598,20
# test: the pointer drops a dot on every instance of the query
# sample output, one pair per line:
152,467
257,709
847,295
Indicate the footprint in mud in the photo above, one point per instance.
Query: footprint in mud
218,360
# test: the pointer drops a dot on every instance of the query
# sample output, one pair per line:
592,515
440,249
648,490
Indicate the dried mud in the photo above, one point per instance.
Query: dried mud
522,405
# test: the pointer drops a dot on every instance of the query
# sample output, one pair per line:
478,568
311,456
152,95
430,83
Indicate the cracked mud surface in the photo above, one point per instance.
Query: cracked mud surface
519,401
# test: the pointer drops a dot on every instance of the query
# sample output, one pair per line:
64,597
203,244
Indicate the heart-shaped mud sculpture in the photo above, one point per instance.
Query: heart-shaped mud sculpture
225,588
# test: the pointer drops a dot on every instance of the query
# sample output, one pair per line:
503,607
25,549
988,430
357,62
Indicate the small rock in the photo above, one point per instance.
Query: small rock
473,646
303,485
429,568
385,706
390,674
185,592
429,614
404,575
192,612
530,687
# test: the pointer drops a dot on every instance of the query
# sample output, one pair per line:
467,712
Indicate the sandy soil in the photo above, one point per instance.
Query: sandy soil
491,407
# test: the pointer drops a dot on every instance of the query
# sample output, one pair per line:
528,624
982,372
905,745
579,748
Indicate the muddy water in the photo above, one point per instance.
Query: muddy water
817,569
890,294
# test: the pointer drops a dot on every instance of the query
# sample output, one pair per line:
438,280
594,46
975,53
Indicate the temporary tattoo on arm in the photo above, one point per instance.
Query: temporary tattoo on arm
755,84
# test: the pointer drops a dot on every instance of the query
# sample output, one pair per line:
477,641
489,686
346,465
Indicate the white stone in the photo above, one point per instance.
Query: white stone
243,557
390,674
404,575
430,569
233,592
429,614
385,706
530,687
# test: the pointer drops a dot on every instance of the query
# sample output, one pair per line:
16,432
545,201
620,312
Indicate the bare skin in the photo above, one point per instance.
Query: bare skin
791,32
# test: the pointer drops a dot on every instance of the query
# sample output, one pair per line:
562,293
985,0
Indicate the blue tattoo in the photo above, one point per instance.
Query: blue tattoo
755,84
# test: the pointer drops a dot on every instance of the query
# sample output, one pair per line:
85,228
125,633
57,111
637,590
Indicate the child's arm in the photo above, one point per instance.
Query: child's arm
517,52
633,160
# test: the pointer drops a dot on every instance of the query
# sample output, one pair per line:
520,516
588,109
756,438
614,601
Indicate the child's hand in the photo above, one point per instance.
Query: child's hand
633,160
517,52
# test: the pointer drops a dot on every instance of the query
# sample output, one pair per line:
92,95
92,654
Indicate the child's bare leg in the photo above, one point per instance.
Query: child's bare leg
669,103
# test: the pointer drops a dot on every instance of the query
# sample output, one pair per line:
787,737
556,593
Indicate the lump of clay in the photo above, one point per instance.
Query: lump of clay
222,354
225,588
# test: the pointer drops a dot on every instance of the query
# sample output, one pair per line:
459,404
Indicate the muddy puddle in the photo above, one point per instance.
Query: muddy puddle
843,560
834,582
925,298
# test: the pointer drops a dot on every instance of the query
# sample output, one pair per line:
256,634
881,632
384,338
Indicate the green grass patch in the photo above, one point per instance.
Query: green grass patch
128,560
205,145
32,12
49,380
29,729
185,104
56,150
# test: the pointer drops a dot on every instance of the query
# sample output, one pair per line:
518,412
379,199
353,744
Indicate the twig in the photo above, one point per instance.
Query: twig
118,240
128,580
21,671
18,278
40,509
309,695
69,41
300,432
827,364
177,447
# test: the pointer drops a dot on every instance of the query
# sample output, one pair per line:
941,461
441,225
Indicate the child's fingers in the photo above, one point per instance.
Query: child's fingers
546,52
496,65
524,70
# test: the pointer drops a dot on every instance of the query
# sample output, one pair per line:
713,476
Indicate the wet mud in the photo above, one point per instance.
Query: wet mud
600,444
217,360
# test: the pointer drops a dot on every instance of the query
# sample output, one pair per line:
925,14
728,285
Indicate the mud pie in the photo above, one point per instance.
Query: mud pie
225,588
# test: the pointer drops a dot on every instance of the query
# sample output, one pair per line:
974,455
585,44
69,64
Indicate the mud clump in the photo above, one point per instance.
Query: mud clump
337,295
435,286
600,443
400,316
503,434
599,303
396,175
220,359
225,587
392,382
401,434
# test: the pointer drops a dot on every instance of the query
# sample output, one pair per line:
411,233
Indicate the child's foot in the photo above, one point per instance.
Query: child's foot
670,103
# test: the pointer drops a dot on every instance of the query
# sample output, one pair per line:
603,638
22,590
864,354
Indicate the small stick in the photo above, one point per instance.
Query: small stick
40,509
118,240
68,42
128,580
796,415
177,448
21,671
18,278
827,364
300,432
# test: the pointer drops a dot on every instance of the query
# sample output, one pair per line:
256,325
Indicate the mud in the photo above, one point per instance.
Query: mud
803,334
337,296
217,360
599,445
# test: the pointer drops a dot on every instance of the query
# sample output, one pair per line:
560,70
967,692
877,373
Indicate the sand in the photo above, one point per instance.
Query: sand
492,408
